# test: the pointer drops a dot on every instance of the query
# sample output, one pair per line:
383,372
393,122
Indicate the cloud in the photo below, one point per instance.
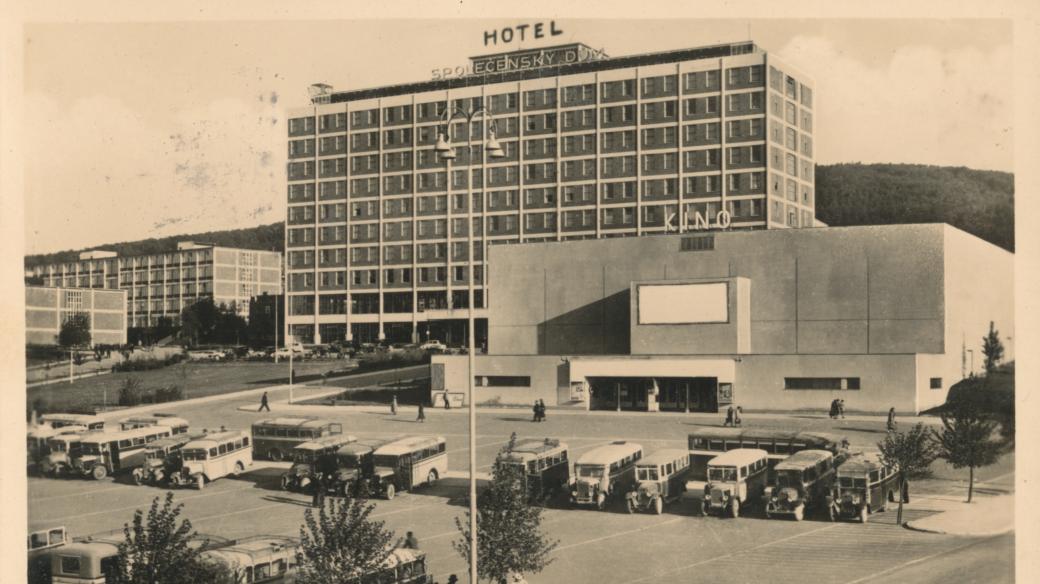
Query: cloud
924,105
115,175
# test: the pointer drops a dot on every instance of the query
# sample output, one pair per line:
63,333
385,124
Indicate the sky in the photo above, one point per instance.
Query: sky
136,130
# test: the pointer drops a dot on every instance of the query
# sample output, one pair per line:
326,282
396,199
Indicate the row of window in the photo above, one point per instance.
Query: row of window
392,302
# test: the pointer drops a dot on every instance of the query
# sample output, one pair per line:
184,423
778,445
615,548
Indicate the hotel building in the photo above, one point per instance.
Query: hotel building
381,240
163,284
46,309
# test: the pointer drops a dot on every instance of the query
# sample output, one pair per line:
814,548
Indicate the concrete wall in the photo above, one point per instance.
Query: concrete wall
731,337
548,374
876,289
885,381
45,311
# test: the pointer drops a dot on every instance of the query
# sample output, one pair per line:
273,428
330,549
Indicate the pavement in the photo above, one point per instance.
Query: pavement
985,516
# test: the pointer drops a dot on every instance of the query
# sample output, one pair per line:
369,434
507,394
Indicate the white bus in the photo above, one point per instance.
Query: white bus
407,463
103,453
217,455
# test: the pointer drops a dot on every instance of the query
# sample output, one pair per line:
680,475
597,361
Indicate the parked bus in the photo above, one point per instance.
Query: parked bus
320,452
95,559
92,422
258,559
605,472
61,449
38,439
175,424
162,458
543,465
40,544
407,463
214,456
275,438
354,465
707,443
103,453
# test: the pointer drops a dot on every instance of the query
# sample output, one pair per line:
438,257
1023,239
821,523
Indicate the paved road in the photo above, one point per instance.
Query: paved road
605,547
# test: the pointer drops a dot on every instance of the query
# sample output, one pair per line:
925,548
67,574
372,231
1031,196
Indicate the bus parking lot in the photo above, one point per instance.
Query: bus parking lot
678,545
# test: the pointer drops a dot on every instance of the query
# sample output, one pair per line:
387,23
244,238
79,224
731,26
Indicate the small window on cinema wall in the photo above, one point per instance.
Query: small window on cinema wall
935,383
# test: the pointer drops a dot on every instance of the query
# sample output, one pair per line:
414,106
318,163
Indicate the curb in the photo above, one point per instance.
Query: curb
991,533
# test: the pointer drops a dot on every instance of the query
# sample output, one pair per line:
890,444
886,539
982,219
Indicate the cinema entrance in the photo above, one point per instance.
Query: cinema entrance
666,394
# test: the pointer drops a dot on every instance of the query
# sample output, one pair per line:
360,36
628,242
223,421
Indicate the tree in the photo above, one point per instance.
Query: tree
159,550
992,348
966,440
509,533
341,544
910,453
75,331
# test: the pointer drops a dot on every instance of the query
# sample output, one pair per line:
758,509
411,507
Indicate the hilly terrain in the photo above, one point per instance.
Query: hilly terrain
980,202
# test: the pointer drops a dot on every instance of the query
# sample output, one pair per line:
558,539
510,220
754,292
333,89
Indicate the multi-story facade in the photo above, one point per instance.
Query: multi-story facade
381,240
47,309
163,284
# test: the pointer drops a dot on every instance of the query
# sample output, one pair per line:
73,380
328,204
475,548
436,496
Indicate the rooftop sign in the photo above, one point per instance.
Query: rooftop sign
523,60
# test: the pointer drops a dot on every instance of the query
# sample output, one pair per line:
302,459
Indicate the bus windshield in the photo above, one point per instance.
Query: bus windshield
90,448
56,445
388,460
852,483
594,472
788,478
305,456
154,453
193,454
349,460
724,474
647,473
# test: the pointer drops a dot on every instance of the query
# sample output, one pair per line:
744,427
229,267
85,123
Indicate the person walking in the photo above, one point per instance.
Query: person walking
411,542
891,424
737,416
535,410
317,496
263,403
393,405
729,416
541,410
841,408
453,579
447,402
422,414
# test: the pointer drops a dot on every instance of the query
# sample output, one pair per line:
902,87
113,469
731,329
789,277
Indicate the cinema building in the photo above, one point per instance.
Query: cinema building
384,232
880,316
163,284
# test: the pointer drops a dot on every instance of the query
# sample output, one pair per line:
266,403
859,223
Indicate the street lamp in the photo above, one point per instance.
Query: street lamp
445,150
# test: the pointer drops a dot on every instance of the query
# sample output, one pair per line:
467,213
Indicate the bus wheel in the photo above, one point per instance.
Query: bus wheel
285,483
863,512
99,472
659,505
200,481
734,508
275,454
389,492
432,477
799,513
601,501
138,476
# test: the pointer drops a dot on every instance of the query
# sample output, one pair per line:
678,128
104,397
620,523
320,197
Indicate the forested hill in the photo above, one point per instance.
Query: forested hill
980,202
267,237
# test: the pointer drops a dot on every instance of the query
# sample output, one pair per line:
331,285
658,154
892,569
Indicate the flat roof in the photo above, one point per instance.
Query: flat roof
326,442
408,444
215,438
664,456
107,435
674,56
608,453
738,457
802,459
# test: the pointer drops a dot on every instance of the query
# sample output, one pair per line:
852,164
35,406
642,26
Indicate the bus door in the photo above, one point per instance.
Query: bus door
406,468
113,454
110,569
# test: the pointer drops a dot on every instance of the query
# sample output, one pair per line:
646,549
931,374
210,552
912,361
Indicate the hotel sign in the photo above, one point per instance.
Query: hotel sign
522,60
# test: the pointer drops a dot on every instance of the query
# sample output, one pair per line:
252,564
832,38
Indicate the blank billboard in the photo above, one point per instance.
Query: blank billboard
683,303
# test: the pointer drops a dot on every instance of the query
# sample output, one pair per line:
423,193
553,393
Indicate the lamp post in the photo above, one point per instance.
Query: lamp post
447,152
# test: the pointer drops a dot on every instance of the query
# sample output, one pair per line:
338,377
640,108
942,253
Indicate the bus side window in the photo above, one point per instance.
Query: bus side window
874,476
124,444
212,452
151,438
441,447
279,567
139,441
563,456
248,574
639,454
238,444
222,449
245,441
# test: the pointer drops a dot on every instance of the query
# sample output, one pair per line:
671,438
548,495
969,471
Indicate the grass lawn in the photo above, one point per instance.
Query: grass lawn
195,379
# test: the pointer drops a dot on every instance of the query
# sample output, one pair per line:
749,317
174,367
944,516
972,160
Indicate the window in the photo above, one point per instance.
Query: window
502,381
935,383
822,383
70,565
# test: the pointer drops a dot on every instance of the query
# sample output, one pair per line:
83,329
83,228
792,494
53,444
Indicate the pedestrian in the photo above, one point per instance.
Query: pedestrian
737,416
422,414
841,408
453,579
541,410
411,542
729,416
834,409
263,403
316,497
891,424
447,402
393,405
535,410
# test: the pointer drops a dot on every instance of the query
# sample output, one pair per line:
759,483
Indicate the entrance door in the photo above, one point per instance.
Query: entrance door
624,393
704,394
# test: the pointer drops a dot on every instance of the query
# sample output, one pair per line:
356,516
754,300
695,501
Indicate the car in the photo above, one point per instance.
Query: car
735,478
433,346
399,347
660,479
800,484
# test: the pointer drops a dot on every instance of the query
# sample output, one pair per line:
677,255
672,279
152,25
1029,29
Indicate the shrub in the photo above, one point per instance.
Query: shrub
130,394
169,393
148,364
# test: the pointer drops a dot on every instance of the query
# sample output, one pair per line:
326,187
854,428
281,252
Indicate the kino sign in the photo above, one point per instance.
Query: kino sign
722,220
